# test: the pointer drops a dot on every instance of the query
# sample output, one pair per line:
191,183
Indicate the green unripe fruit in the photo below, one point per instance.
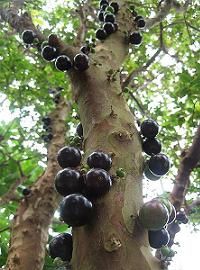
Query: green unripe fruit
167,251
120,172
166,202
153,215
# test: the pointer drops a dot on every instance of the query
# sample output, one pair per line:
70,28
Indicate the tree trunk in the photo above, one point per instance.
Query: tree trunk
113,239
30,226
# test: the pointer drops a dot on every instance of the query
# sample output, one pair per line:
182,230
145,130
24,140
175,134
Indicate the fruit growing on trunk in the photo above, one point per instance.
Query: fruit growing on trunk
76,210
158,239
63,63
61,246
151,146
69,157
153,215
49,53
135,38
149,128
28,36
99,160
159,164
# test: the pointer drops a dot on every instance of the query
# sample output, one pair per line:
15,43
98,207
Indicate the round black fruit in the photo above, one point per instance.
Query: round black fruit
63,63
115,6
151,146
149,175
158,239
85,49
141,23
46,120
101,34
49,53
76,210
97,182
81,61
68,181
61,246
28,36
139,17
26,191
101,15
149,128
79,130
159,164
99,160
69,157
109,28
109,17
135,38
153,215
181,217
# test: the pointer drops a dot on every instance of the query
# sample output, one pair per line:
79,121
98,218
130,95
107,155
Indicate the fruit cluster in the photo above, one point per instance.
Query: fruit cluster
159,164
154,216
80,189
47,127
50,51
107,17
135,37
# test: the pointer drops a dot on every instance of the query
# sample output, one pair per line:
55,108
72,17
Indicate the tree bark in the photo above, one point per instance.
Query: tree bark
113,239
29,233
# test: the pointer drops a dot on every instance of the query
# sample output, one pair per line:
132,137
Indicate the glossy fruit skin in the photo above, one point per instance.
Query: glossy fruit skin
109,17
69,157
141,23
81,61
79,130
61,246
166,202
85,49
158,239
159,164
151,146
167,251
153,215
149,175
49,53
101,34
63,63
97,182
137,18
149,128
103,7
115,5
76,210
99,160
28,36
135,38
26,191
68,181
109,28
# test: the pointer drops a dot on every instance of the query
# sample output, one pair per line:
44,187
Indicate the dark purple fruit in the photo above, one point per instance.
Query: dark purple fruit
181,217
53,40
141,23
26,191
63,63
115,6
159,164
101,34
135,38
109,28
85,49
103,2
153,215
101,16
151,146
158,239
69,157
28,36
76,210
149,128
99,160
79,130
148,174
61,246
103,7
97,182
68,181
109,17
81,61
49,53
50,136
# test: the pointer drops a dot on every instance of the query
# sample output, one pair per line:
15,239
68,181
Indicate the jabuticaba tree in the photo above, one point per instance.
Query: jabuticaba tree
112,239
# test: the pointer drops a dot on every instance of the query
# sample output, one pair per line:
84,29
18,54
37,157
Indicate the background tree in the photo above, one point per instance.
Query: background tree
159,79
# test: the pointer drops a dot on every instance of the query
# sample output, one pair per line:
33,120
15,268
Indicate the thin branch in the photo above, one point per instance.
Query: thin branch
83,28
